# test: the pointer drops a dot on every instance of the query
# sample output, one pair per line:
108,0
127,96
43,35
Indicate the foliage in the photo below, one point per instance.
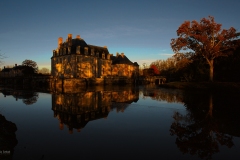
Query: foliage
227,69
155,70
145,65
28,70
184,67
44,70
205,39
148,72
165,67
30,63
30,98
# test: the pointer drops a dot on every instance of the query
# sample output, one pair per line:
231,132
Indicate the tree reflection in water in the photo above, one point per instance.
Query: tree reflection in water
205,127
28,97
32,98
211,120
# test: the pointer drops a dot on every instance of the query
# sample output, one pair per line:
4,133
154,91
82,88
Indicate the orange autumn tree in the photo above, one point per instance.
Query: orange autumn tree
204,38
155,70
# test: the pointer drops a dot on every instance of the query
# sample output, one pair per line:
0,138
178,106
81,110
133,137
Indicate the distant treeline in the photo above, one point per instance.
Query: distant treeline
190,67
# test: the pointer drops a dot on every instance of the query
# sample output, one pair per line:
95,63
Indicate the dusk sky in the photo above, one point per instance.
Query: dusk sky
142,29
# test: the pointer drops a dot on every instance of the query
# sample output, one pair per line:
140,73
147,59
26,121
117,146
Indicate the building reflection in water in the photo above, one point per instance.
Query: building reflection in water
76,109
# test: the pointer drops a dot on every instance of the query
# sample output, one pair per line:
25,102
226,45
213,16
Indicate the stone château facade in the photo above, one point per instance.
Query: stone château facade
76,59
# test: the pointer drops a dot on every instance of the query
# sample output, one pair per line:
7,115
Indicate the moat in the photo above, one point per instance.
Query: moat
122,122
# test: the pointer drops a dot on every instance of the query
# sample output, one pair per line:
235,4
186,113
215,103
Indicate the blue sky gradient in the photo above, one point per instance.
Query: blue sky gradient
141,29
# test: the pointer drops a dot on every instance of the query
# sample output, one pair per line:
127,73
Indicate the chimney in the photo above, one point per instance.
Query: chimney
60,40
104,46
69,36
122,54
117,54
54,52
78,37
69,40
15,65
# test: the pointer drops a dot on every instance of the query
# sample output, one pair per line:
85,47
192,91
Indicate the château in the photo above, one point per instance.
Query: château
74,58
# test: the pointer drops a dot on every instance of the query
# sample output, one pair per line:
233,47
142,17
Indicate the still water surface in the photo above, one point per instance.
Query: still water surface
142,122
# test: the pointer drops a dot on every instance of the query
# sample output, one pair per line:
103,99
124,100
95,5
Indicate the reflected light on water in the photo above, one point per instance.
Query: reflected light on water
140,122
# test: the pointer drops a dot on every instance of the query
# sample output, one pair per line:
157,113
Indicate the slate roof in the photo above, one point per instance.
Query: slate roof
135,64
99,49
121,59
80,42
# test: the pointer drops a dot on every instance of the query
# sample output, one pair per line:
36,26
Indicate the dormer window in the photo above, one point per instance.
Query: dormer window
92,52
103,55
69,50
78,49
86,50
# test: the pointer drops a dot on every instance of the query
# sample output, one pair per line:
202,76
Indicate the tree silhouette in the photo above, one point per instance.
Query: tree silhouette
30,98
44,70
27,70
227,69
30,63
205,38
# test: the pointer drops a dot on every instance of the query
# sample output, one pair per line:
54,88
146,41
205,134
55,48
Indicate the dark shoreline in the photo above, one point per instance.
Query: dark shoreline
204,86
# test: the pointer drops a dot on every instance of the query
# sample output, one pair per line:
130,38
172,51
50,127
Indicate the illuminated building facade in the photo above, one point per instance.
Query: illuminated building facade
74,58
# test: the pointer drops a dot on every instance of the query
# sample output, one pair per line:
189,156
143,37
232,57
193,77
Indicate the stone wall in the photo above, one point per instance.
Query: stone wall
80,66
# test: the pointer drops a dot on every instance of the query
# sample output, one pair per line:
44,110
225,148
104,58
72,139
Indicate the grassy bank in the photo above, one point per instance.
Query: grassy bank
215,86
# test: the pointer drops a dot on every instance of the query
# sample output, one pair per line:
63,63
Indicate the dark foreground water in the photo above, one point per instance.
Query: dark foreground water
143,122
